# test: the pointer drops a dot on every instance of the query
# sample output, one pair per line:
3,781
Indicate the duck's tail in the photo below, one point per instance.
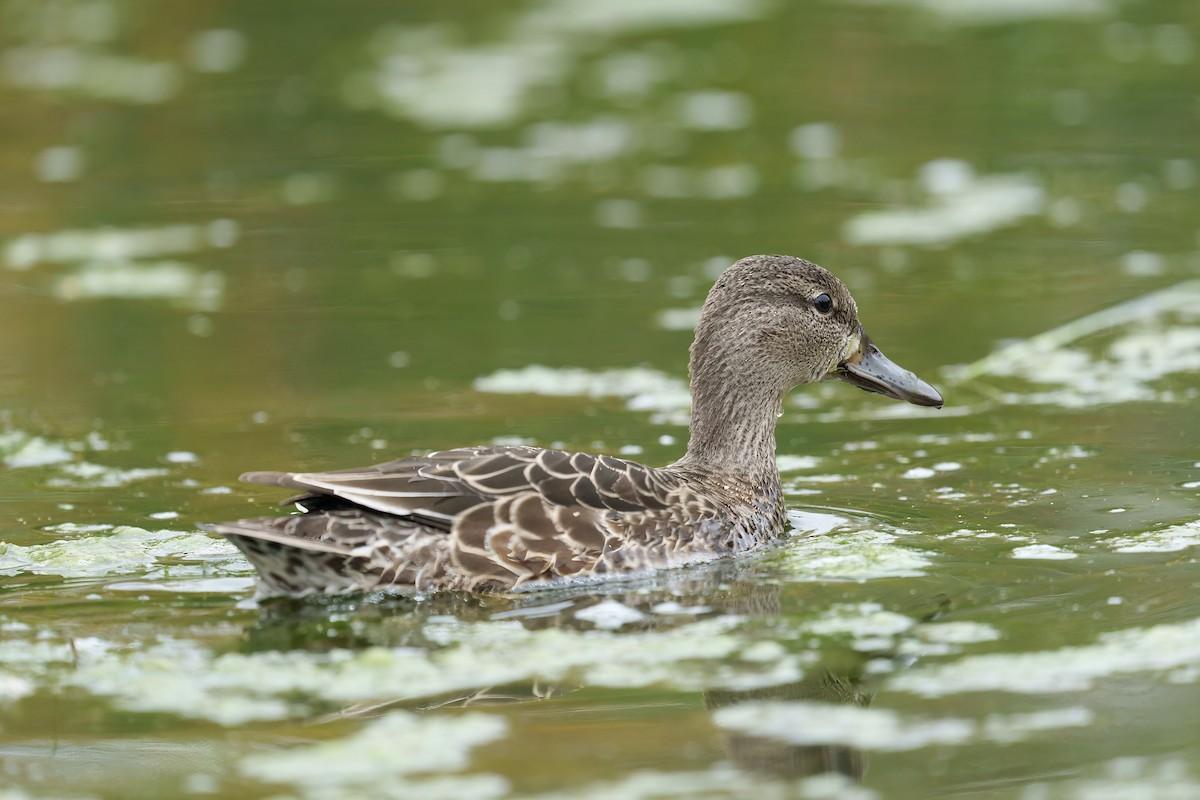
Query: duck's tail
294,566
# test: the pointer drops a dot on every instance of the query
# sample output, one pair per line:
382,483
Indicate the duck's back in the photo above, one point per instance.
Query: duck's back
490,519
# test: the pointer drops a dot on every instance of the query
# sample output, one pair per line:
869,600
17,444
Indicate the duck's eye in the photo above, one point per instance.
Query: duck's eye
823,303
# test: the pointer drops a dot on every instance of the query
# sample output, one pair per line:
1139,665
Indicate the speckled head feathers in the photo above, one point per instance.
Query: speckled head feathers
765,320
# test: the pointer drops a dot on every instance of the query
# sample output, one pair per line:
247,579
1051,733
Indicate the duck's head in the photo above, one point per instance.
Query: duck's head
789,322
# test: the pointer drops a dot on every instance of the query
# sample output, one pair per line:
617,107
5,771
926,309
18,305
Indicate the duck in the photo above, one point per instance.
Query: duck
509,518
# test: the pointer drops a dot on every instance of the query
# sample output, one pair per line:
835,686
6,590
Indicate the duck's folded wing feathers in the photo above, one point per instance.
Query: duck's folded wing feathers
443,485
271,529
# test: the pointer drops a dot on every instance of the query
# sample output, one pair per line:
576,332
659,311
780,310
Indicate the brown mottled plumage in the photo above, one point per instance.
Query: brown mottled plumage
503,518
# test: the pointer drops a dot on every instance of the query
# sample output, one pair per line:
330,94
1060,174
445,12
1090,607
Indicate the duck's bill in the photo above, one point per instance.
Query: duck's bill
869,369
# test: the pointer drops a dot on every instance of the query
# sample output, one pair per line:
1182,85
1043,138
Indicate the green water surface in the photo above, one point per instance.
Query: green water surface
300,235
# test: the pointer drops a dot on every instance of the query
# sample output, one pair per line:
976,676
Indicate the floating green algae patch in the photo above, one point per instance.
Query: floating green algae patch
854,555
863,619
399,755
19,449
1165,540
1172,648
125,550
720,781
960,632
1141,341
13,687
187,679
808,723
84,474
1163,778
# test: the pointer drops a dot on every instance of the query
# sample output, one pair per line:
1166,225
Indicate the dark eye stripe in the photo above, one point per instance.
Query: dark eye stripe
823,303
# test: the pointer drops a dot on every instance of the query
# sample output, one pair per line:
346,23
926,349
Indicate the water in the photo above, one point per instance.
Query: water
272,236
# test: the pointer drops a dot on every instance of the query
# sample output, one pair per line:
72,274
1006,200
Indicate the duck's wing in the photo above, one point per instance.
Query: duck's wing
435,489
418,488
481,518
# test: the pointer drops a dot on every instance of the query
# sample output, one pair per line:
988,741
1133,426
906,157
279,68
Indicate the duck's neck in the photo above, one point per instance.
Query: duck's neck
733,432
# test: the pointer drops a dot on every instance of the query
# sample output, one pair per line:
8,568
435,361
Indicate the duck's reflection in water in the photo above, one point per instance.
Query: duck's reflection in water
838,676
763,754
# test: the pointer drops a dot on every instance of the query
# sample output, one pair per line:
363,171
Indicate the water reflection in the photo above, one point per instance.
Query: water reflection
838,685
839,677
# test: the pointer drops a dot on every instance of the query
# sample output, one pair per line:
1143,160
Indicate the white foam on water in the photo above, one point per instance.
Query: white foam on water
34,654
125,550
182,283
853,555
1003,12
678,319
13,687
861,619
20,449
117,244
1043,551
90,72
789,463
1141,342
917,473
187,679
1153,649
428,77
565,143
722,780
86,475
198,585
1142,263
610,615
1166,540
962,632
630,74
218,50
813,523
427,74
1125,778
1009,728
75,527
60,164
644,389
881,729
671,608
715,110
630,16
958,208
832,478
819,141
402,750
